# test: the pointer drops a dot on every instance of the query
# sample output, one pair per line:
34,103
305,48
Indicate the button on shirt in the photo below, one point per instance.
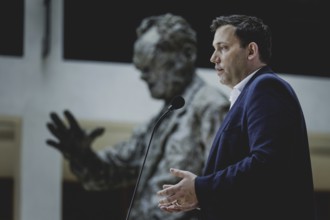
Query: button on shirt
238,89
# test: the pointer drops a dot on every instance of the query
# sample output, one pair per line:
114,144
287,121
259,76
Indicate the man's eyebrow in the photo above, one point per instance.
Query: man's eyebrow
218,43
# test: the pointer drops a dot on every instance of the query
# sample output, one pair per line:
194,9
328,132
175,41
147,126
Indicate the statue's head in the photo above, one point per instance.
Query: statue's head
165,53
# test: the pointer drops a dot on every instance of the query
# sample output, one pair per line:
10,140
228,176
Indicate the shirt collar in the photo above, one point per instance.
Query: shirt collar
237,89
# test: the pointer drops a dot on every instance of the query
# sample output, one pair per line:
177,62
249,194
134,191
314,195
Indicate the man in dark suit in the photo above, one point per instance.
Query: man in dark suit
259,165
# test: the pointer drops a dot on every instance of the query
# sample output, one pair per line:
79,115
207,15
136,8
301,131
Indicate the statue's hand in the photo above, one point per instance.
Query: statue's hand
72,140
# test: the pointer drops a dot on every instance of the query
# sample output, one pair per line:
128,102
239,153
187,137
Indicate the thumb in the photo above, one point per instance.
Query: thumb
178,173
96,132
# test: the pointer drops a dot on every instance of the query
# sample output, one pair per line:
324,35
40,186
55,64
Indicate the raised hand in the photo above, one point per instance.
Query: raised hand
72,140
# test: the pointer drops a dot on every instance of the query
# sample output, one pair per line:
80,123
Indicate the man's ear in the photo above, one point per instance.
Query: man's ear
252,50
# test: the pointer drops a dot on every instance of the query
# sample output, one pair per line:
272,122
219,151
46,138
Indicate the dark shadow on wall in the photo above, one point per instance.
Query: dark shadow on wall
79,204
102,31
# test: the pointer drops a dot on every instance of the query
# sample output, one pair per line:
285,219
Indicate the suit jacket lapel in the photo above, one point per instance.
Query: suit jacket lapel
228,117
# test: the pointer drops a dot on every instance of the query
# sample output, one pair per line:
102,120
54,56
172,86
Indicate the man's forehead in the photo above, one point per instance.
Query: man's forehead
224,34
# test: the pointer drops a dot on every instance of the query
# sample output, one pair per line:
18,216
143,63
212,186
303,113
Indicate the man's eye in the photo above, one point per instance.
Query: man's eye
222,47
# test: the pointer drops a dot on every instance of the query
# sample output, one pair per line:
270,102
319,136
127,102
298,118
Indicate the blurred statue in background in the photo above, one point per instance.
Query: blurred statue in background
165,53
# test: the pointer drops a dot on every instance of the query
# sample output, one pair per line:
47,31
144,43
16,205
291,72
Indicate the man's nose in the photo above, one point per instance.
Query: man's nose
214,58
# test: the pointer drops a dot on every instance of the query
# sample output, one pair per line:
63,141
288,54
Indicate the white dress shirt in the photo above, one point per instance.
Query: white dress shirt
238,89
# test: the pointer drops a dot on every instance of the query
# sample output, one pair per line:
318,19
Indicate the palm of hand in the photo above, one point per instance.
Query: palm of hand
72,140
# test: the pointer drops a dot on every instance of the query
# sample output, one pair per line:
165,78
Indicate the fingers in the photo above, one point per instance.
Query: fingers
56,132
57,122
59,147
170,208
170,194
72,121
169,200
179,197
165,186
167,190
174,208
52,143
177,206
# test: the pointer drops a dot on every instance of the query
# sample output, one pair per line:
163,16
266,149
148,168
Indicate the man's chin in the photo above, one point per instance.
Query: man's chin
223,81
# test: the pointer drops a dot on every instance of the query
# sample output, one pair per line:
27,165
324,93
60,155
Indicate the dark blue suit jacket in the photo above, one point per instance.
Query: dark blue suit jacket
259,166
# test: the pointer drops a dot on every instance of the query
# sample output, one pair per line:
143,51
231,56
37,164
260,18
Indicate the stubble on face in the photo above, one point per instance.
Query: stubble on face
231,55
